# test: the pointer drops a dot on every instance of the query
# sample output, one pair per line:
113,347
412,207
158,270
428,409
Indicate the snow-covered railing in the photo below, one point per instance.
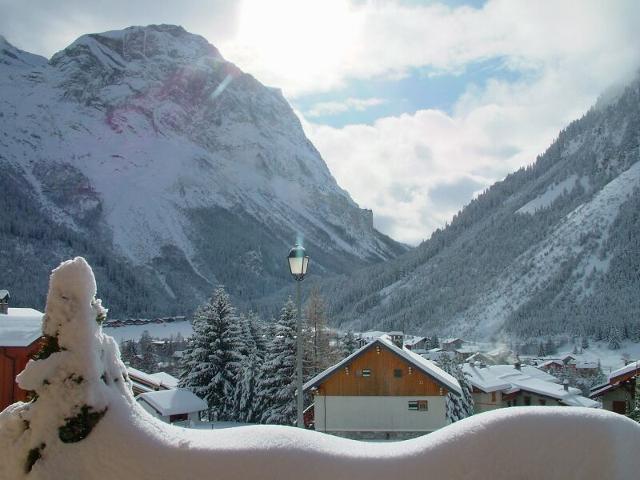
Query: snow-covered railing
84,424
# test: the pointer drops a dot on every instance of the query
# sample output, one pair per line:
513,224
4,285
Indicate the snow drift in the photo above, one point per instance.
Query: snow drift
84,423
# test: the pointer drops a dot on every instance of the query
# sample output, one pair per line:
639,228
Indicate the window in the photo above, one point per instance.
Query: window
542,401
527,400
493,396
419,405
397,373
366,372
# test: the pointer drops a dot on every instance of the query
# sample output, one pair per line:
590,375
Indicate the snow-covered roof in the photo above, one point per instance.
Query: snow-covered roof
411,340
173,402
426,366
4,294
483,379
627,369
20,327
165,379
551,362
146,382
511,380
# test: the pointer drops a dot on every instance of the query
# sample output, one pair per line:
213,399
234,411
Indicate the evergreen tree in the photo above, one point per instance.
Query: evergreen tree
585,343
278,383
349,344
614,339
196,369
248,373
211,363
541,350
457,407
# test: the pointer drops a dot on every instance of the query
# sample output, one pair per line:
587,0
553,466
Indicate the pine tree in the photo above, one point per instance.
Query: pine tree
614,339
196,369
585,343
211,363
278,384
349,344
248,374
457,407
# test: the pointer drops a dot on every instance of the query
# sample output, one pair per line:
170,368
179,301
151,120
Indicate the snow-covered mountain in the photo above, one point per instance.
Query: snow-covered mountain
554,248
168,167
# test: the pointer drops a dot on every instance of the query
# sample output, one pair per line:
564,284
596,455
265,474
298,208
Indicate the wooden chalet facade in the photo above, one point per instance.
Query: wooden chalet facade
381,391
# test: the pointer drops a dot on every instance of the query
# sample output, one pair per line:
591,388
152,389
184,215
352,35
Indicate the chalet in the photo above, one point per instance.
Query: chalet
416,344
618,394
451,344
381,390
499,386
20,339
172,406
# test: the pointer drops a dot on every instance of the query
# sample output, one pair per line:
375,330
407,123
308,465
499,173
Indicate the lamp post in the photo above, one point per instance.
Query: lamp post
298,263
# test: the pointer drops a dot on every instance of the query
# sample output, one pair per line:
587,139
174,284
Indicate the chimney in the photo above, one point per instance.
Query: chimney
4,302
517,365
565,384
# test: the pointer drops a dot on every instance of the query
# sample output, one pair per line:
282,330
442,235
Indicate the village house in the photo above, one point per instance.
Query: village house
20,339
173,406
416,344
499,386
381,390
618,393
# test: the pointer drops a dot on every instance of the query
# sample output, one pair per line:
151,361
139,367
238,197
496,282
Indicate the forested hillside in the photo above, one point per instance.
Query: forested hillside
553,248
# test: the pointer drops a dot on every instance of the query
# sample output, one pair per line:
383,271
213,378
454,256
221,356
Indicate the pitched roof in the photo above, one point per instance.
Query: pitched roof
4,294
173,402
20,327
631,369
530,379
425,366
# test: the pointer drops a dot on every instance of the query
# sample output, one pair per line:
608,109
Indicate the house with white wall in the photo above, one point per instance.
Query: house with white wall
381,390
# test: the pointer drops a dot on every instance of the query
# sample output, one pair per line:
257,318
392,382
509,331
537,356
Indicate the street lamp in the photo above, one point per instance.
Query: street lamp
298,263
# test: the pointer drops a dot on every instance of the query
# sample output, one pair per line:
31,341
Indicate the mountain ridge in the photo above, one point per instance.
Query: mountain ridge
180,168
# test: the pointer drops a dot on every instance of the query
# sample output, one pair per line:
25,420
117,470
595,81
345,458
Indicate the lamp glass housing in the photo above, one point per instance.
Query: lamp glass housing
298,262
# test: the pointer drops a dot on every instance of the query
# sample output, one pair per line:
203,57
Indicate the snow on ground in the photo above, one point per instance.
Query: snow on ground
126,442
156,330
549,196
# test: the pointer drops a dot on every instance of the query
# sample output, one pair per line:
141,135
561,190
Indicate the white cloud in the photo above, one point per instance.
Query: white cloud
567,53
332,108
416,170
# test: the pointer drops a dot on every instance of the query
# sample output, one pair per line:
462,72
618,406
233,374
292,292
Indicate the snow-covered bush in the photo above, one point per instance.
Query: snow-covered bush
74,377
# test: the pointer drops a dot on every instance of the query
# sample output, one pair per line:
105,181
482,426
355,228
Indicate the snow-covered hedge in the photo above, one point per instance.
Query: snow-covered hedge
84,424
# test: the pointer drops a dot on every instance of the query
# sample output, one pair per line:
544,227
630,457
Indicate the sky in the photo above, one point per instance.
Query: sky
415,106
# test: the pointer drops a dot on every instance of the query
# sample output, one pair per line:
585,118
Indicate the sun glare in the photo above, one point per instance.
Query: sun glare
295,40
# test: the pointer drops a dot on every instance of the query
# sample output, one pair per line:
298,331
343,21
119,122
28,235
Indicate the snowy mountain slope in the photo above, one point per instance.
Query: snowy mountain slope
184,167
553,248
